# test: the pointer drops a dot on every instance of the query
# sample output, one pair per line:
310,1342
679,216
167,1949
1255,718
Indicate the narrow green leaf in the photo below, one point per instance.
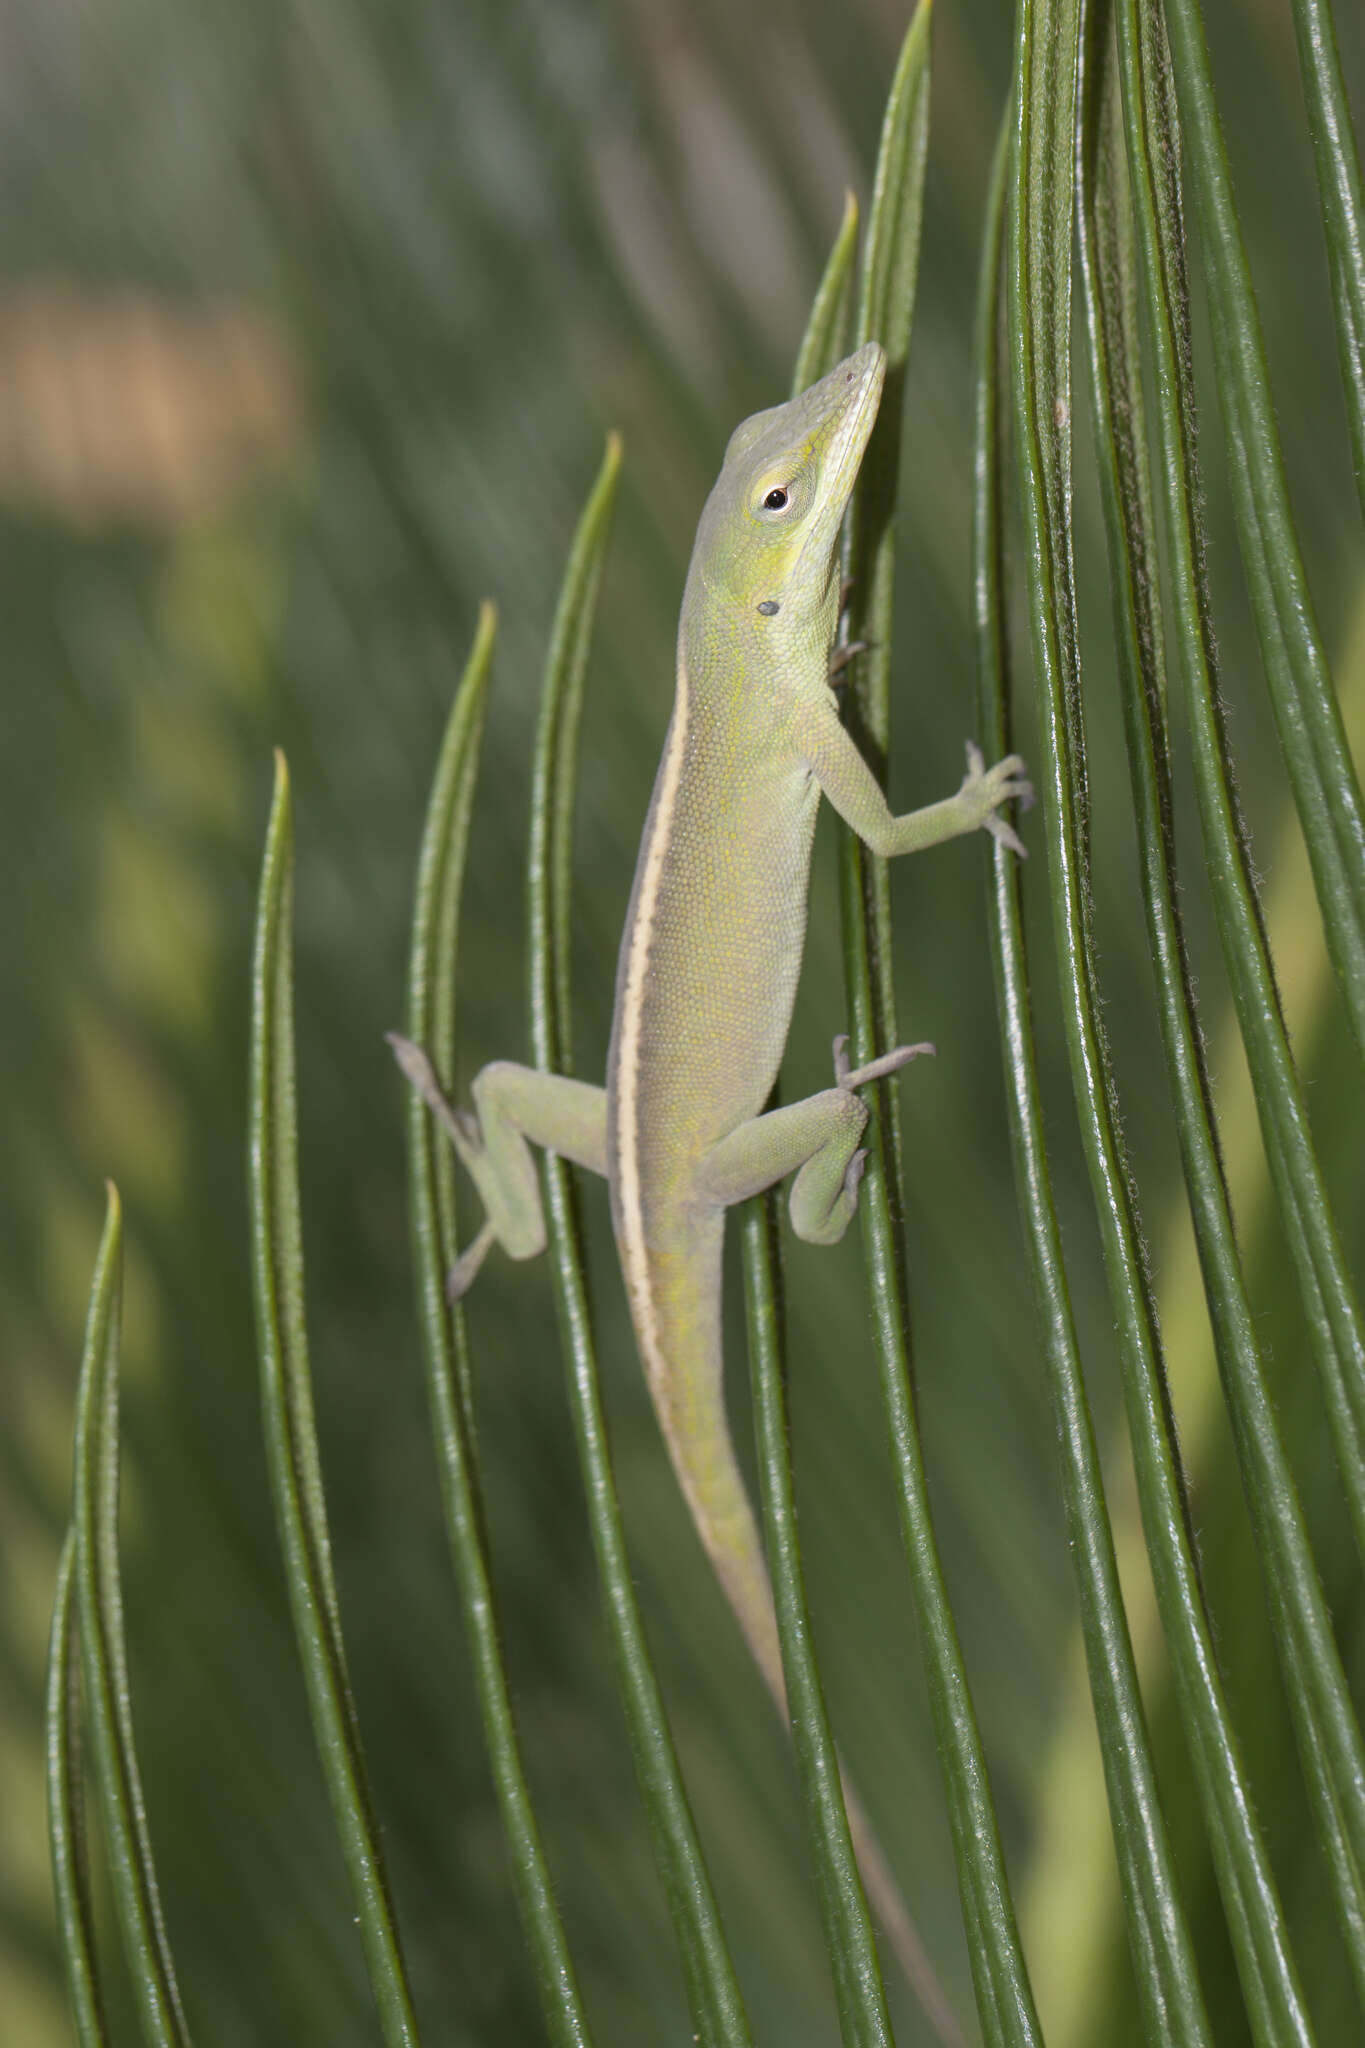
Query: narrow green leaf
1325,1722
1039,309
1312,737
1158,1933
431,1023
1337,163
66,1810
99,1604
555,773
1330,1300
886,309
713,1993
834,1817
823,343
1000,1978
290,1435
863,2018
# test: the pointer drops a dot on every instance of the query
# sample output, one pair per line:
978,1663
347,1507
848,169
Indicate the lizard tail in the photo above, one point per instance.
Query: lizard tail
685,1324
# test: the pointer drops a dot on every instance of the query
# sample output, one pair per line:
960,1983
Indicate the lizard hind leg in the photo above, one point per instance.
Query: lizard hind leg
816,1139
515,1107
824,1196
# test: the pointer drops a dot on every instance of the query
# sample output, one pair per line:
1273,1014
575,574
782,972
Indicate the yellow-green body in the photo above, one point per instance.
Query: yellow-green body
709,963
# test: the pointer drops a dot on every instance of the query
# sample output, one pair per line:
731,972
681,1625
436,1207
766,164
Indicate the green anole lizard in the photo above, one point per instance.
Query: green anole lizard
708,970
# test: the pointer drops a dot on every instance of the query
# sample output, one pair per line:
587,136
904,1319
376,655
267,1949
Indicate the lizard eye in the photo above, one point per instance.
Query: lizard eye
776,500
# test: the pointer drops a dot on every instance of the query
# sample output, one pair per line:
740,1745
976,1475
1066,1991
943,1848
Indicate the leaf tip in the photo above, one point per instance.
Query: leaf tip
280,803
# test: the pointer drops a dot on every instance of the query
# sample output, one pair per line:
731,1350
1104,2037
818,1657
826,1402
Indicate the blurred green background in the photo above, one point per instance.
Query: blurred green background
312,319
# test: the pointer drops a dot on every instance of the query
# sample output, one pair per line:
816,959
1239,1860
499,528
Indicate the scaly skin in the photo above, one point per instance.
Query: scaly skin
708,969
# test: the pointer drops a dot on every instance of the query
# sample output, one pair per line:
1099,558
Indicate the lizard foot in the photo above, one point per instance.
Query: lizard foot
985,789
858,1077
461,1128
842,656
463,1131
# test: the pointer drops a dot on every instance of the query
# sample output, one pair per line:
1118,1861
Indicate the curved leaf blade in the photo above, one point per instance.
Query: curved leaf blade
291,1439
1039,310
431,1194
713,1992
1312,736
823,342
886,311
99,1606
863,2018
1331,1303
1325,1721
1337,163
831,1806
66,1811
1000,1977
1164,1962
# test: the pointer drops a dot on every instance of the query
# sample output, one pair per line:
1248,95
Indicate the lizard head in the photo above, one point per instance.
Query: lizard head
769,534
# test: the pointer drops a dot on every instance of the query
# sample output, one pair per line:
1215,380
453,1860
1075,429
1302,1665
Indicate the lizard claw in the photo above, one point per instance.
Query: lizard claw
1004,833
853,1174
875,1070
462,1274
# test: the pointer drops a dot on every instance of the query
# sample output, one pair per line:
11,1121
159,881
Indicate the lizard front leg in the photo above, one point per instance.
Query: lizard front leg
816,1139
852,788
515,1107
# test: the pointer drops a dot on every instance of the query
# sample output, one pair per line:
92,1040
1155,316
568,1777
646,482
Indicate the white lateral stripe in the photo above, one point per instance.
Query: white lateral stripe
634,1256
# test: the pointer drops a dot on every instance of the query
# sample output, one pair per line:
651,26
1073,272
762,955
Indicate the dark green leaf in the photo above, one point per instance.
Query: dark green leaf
826,333
835,1817
1039,309
66,1811
1312,738
1329,1736
863,2018
1343,204
431,1023
99,1605
1329,1296
717,2009
290,1434
1158,1932
1004,1999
